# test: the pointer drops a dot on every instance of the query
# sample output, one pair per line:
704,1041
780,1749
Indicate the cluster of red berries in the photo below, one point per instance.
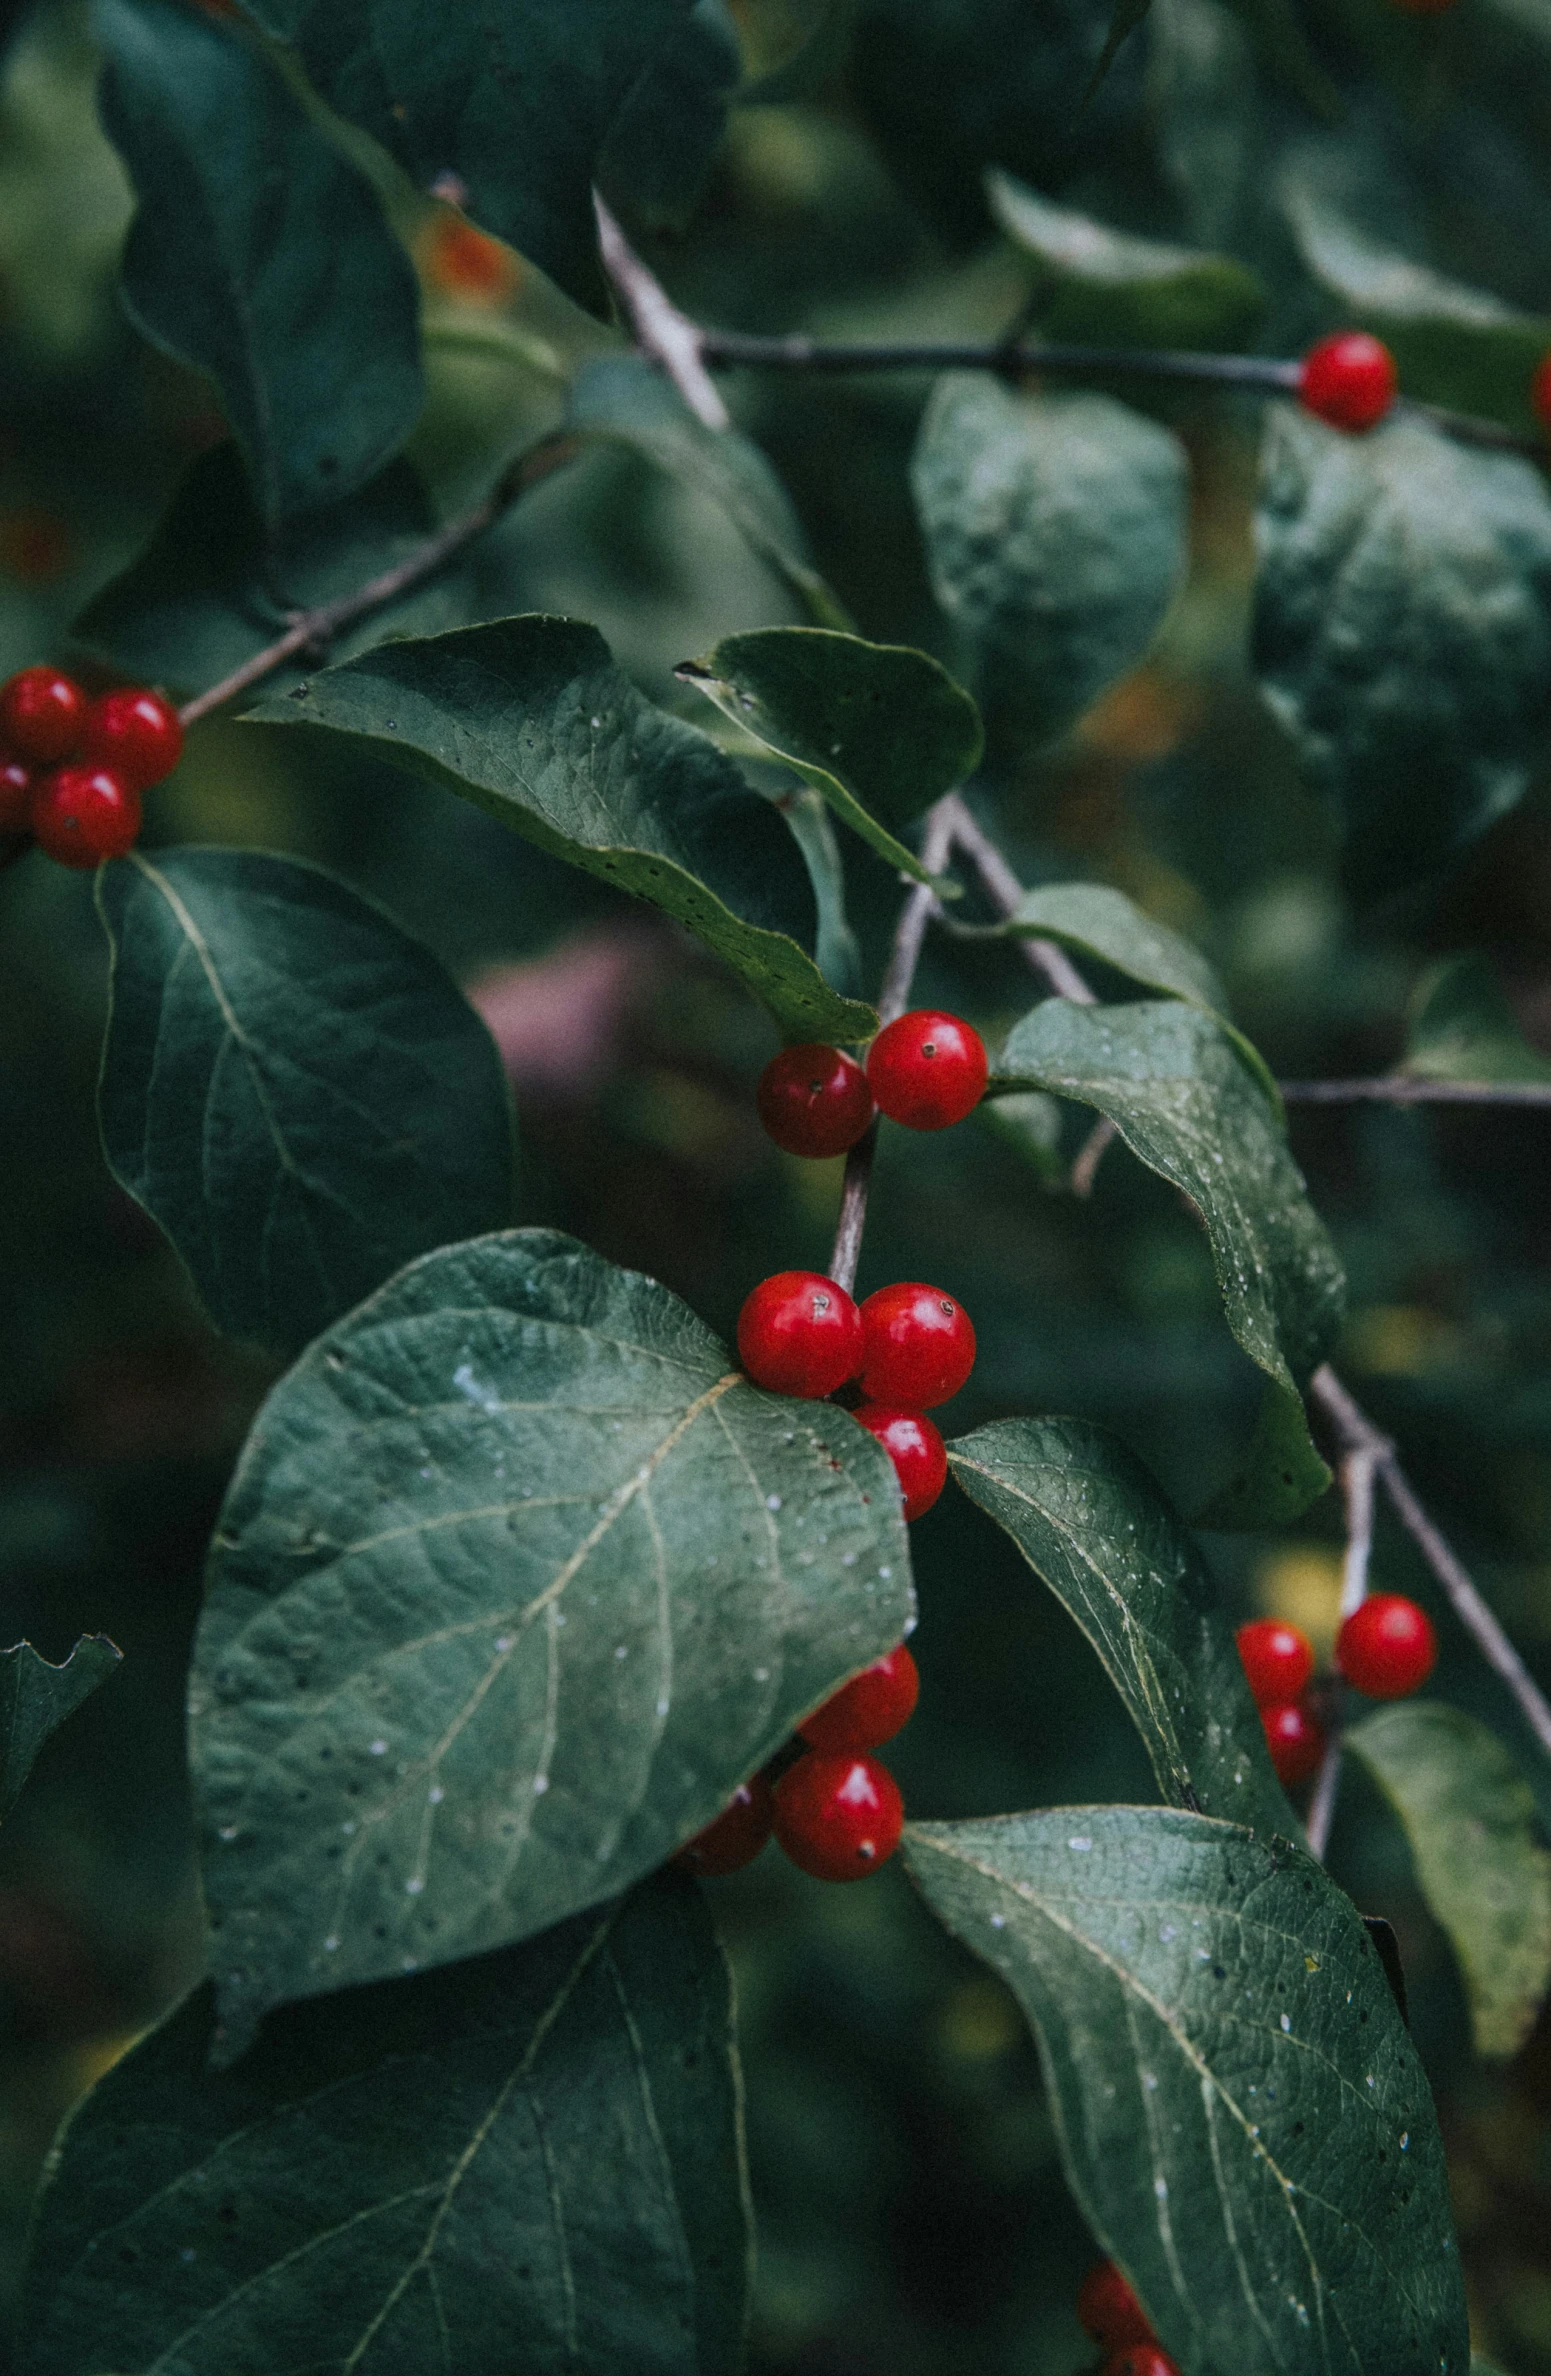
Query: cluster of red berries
1386,1649
836,1810
72,770
1112,2315
926,1070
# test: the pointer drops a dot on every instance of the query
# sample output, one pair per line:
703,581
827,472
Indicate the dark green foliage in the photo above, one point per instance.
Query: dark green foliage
35,1698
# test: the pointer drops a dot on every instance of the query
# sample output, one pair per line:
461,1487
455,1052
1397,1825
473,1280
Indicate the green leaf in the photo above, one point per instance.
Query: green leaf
1403,630
531,719
1097,921
1095,1524
655,160
1029,1122
35,1699
213,586
1111,288
1243,2119
1124,20
878,730
1469,1815
1172,1083
621,399
517,1580
518,102
295,1089
531,2160
1055,536
259,254
1463,1029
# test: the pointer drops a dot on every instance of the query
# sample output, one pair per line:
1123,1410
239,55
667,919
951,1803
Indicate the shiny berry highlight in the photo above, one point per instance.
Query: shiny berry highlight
839,1818
798,1333
82,815
1387,1648
814,1100
928,1070
1278,1659
1348,380
917,1450
918,1346
1295,1738
868,1710
41,715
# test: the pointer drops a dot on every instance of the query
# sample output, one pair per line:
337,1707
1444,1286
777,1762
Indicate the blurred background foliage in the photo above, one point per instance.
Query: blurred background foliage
913,2219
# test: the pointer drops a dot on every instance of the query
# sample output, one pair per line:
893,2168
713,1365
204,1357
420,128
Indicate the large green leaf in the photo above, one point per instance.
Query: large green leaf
1055,535
36,1697
259,254
519,102
294,1088
1469,1815
530,2161
1242,2116
1111,288
879,730
1171,1081
1462,1028
531,719
1092,1521
1403,630
517,1580
655,159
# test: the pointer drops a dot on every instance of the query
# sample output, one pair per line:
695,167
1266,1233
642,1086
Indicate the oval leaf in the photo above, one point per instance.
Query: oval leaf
1113,289
36,1697
517,1580
530,719
879,730
259,254
295,1089
532,2160
1055,535
1469,1815
1092,1521
1241,2113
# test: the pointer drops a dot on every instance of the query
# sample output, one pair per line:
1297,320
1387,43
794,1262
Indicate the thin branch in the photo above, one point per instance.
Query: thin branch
1357,1433
667,337
1090,1155
1358,1470
1402,1089
313,631
1003,889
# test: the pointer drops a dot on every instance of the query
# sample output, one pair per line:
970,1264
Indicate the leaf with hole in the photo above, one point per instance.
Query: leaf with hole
1242,2117
36,1697
517,1581
291,1086
538,2151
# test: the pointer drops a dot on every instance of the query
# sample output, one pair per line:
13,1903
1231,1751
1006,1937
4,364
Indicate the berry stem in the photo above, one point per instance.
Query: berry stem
1358,1471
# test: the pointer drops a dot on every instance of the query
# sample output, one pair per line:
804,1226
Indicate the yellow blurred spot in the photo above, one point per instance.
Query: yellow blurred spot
461,261
980,2022
1303,1586
1398,1340
1143,717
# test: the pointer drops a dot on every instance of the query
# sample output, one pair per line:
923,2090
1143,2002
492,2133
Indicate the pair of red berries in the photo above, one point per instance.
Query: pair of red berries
909,1346
1112,2315
927,1070
1386,1649
837,1812
72,770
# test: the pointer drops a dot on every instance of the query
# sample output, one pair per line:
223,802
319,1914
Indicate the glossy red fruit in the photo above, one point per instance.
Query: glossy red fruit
737,1835
41,715
814,1100
868,1710
81,815
1109,2310
917,1450
135,733
1143,2359
1387,1648
927,1070
1278,1659
838,1817
918,1346
15,796
1540,392
1295,1738
798,1333
1349,380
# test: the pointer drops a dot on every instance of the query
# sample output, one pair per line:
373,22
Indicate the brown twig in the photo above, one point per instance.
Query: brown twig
1402,1089
316,629
1090,1155
667,337
1005,892
1358,1470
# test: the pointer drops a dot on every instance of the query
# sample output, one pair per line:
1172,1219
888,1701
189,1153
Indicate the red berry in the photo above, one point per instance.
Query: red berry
1109,2310
737,1835
81,815
918,1346
1348,380
868,1710
838,1817
814,1100
15,796
1295,1738
927,1070
1278,1659
1143,2359
1387,1647
1540,392
798,1333
41,715
911,1441
136,733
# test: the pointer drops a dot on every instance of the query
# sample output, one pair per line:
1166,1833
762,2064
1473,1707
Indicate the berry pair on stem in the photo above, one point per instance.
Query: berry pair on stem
72,770
1386,1649
1112,2315
927,1071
